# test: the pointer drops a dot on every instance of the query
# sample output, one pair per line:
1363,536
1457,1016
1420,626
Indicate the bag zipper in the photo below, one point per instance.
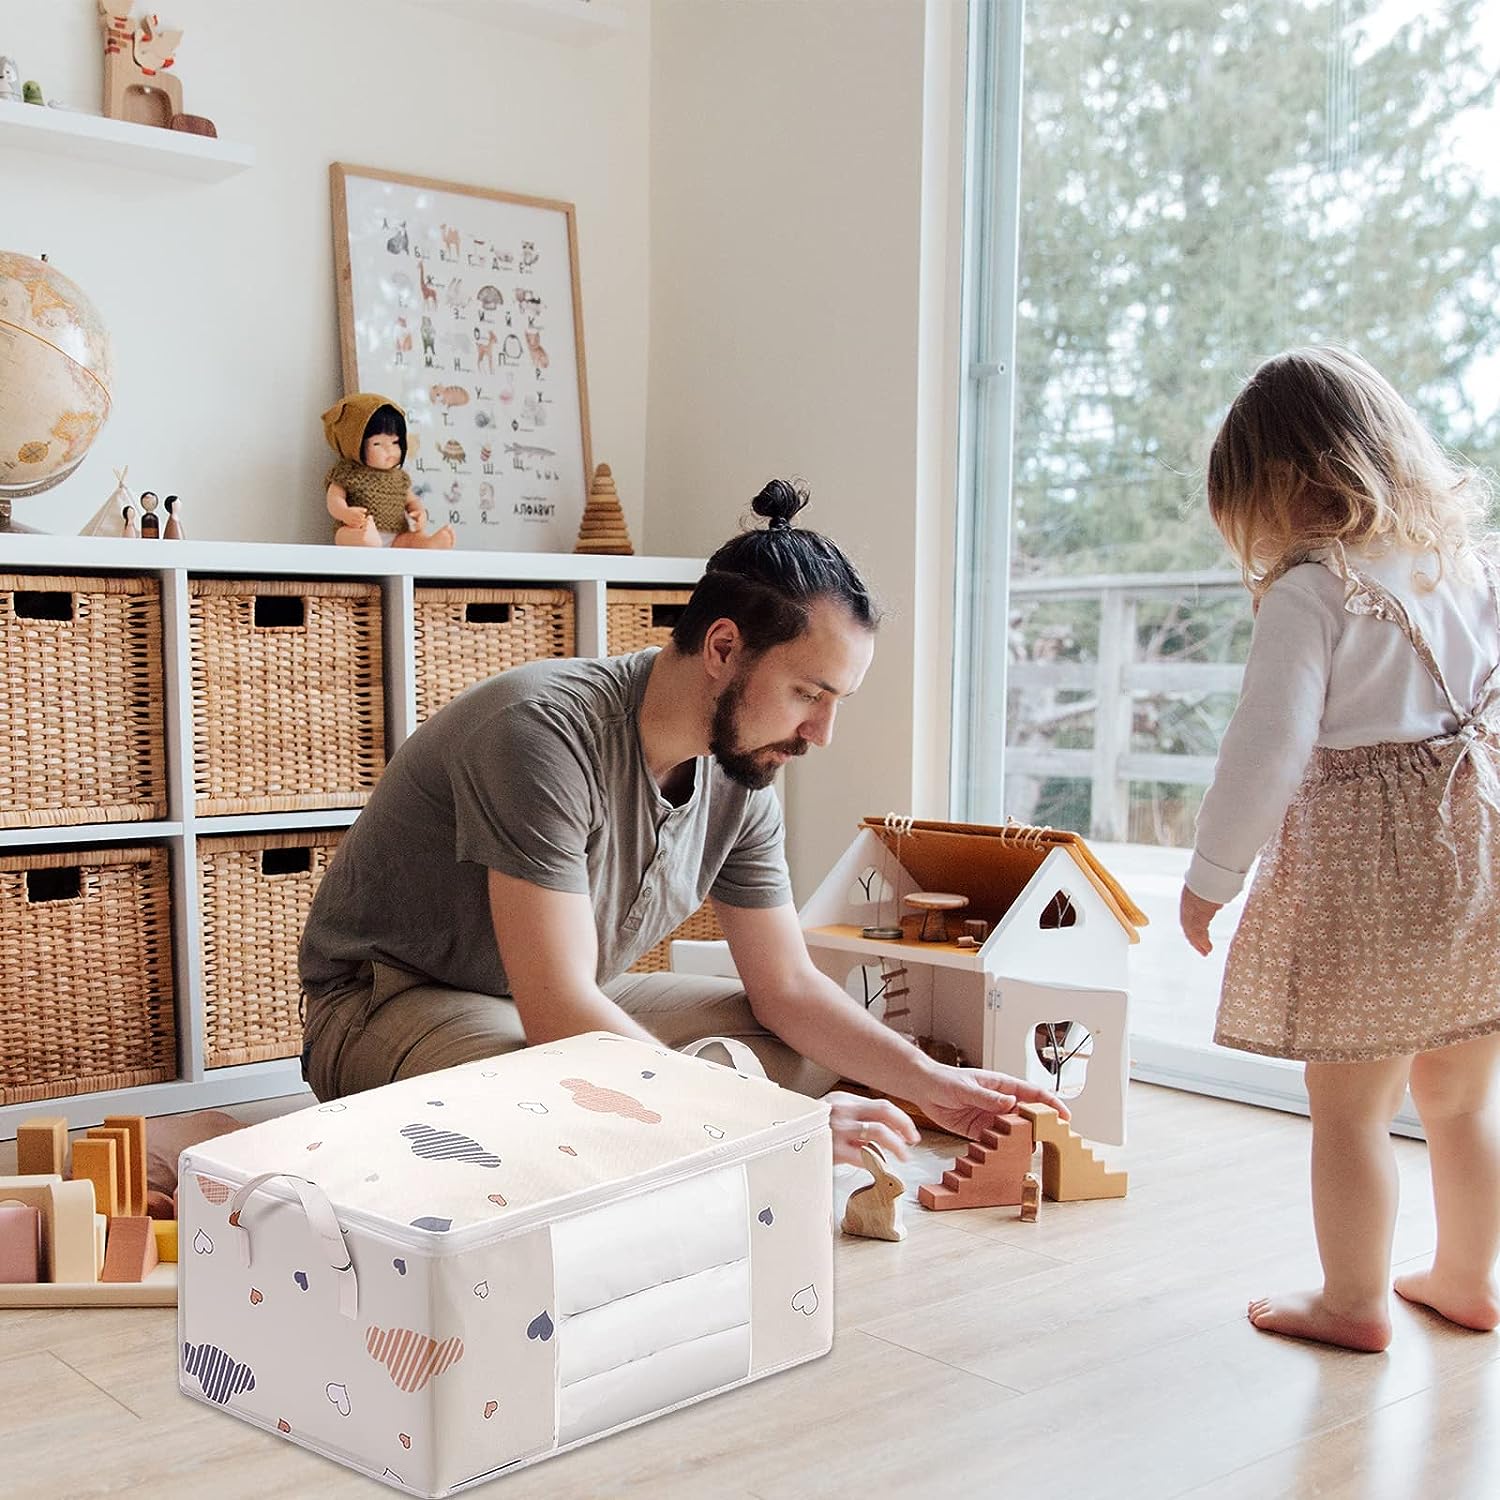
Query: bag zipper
565,1207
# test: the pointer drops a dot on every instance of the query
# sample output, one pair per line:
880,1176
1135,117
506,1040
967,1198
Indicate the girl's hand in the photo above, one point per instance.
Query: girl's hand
1195,914
966,1101
855,1119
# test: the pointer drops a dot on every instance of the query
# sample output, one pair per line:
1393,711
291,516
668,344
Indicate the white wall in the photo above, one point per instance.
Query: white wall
802,324
220,297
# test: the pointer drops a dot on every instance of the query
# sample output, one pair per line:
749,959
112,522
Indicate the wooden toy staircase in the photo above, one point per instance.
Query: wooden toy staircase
991,1174
1070,1170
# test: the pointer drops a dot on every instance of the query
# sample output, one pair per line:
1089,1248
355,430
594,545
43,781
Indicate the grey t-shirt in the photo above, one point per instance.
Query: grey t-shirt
537,773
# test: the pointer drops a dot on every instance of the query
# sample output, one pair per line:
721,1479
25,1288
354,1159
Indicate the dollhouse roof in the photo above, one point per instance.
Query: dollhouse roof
992,866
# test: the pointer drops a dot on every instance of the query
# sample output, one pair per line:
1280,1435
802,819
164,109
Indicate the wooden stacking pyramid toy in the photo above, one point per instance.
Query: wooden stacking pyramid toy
603,525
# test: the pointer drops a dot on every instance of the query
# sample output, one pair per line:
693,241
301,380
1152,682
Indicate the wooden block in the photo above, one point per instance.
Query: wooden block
1031,1197
124,1161
71,1256
1071,1173
35,1190
95,1161
67,1222
101,1234
42,1145
165,1231
136,1125
991,1175
20,1242
130,1251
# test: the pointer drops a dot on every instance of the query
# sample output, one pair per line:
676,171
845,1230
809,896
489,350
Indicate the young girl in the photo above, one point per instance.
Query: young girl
1367,729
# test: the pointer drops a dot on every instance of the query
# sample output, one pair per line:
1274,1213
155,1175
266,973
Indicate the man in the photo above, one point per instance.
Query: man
529,842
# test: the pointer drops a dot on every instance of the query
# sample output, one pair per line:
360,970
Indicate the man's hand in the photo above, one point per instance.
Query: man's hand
969,1100
855,1119
1195,914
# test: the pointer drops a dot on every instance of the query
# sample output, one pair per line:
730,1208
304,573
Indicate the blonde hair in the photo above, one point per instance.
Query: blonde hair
1318,448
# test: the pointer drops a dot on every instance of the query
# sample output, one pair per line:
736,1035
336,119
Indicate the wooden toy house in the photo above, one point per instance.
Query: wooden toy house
1046,982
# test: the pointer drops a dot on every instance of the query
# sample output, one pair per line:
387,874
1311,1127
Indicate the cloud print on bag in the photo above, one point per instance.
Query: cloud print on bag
604,1101
411,1358
219,1375
447,1145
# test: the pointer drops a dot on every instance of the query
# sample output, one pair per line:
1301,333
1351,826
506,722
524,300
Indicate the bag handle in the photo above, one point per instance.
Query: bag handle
740,1056
324,1224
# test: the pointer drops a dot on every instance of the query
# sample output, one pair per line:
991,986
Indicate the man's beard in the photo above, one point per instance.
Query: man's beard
749,768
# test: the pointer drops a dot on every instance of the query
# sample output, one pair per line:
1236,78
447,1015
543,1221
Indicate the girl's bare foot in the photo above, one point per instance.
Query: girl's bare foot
1306,1315
1468,1306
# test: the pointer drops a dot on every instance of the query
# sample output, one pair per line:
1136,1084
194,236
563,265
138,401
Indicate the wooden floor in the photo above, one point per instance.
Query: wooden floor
1099,1354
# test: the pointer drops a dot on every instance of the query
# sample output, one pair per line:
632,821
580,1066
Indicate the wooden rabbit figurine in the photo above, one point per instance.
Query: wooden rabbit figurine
874,1211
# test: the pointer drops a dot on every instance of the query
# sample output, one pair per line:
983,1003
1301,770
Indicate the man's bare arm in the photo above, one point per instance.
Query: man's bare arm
550,953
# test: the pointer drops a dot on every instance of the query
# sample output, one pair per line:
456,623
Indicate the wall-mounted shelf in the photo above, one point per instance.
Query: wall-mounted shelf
118,143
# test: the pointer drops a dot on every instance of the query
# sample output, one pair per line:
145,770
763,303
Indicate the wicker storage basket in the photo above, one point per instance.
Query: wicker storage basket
85,972
80,701
638,618
702,927
288,708
467,634
256,889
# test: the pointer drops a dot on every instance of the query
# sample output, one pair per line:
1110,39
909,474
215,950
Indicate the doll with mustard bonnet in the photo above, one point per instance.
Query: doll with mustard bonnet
369,493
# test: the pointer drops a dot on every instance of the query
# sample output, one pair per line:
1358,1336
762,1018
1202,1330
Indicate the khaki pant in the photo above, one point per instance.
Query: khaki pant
395,1025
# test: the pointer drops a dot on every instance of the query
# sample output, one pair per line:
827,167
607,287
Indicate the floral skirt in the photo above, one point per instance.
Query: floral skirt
1372,928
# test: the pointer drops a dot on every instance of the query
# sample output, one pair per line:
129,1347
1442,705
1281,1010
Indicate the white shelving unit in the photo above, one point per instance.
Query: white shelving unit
398,571
119,143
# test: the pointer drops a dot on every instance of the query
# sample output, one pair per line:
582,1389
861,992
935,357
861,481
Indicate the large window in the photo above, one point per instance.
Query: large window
1162,194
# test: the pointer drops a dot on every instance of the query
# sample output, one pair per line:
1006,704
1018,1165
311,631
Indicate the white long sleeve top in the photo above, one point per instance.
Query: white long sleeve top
1320,676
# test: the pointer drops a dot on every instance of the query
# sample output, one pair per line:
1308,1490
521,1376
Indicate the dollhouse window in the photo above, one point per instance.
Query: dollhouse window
1059,912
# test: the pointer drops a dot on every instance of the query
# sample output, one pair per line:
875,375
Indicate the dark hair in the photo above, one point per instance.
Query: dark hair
385,421
766,581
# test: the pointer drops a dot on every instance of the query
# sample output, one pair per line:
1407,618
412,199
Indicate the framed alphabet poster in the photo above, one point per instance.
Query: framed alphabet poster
462,304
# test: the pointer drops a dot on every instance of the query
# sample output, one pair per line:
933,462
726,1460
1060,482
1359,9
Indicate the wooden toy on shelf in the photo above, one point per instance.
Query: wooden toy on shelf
135,1128
124,1164
935,906
130,1250
97,1161
603,528
172,531
1071,1172
992,1173
193,125
137,54
109,519
874,1211
20,1242
1031,1197
150,521
42,1145
165,1231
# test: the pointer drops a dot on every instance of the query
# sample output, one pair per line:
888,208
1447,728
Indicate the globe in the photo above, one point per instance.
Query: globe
56,378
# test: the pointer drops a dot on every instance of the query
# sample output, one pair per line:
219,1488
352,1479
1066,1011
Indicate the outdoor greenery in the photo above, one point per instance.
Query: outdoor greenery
1202,185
